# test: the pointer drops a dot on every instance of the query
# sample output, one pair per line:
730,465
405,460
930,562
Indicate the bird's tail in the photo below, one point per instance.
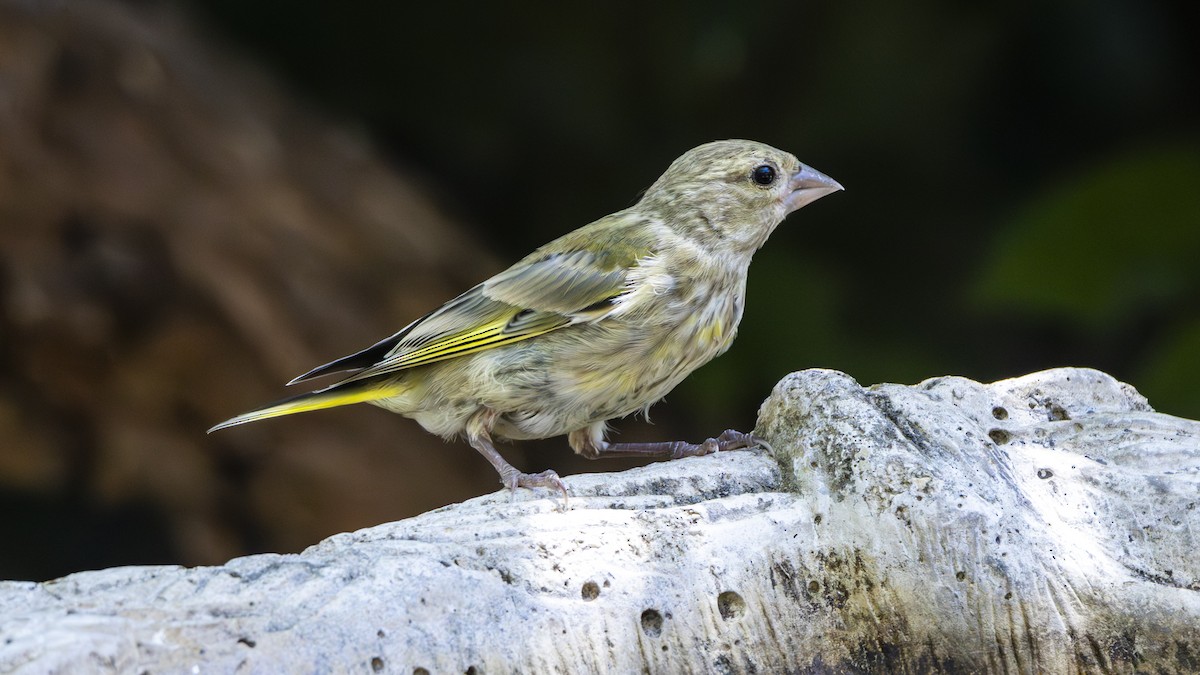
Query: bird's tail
329,397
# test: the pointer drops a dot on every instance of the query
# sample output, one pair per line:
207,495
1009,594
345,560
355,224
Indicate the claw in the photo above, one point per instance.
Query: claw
731,439
547,479
762,443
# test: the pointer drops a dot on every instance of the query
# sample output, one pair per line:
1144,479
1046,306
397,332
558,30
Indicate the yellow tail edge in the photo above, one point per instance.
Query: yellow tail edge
331,397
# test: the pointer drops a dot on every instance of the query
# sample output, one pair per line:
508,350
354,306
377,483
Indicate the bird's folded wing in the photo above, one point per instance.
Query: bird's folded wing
527,300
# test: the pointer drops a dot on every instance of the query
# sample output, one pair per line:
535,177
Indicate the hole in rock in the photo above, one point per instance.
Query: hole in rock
730,605
652,623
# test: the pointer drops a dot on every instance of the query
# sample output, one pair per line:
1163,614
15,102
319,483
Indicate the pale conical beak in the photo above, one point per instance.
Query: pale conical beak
808,185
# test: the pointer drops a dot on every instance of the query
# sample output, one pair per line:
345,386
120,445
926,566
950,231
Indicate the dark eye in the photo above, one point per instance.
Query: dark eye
764,175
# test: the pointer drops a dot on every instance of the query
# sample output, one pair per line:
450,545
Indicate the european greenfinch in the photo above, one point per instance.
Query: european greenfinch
596,325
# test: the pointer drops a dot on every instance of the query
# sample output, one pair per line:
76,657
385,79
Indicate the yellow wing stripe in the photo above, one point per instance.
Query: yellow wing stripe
443,350
452,345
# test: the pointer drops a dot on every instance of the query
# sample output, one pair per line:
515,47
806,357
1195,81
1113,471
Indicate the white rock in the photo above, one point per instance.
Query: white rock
1041,524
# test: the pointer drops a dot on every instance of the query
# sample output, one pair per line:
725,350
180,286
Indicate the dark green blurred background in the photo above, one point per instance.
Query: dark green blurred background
1023,179
1022,192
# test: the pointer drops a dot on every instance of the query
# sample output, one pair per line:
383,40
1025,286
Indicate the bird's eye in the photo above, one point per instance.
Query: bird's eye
764,174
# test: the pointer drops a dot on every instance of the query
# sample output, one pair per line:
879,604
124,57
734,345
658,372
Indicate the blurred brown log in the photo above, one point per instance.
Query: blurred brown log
178,238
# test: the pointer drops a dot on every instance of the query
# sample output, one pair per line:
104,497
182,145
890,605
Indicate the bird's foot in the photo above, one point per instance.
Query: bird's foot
510,477
549,478
728,440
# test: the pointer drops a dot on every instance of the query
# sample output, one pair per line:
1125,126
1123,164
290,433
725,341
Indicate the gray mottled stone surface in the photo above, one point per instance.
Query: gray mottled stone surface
1041,524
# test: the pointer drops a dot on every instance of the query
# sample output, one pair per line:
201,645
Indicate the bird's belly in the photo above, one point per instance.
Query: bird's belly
602,377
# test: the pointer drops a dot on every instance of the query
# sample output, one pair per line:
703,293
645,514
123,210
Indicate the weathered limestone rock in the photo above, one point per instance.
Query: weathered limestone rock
1041,524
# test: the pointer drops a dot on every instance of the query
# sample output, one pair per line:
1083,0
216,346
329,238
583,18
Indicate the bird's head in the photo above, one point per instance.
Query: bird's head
732,194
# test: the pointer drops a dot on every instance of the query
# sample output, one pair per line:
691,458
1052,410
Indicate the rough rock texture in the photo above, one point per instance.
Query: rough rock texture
1041,524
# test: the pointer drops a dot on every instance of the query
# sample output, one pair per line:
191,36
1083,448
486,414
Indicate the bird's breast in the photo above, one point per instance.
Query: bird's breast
660,331
644,360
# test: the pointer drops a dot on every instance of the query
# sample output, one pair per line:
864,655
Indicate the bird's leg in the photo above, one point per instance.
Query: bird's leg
590,443
510,477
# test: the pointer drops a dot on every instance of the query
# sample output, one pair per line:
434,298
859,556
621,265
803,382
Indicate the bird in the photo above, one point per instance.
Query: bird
596,325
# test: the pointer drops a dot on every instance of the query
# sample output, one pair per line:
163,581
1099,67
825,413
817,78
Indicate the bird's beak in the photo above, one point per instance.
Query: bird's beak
808,185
